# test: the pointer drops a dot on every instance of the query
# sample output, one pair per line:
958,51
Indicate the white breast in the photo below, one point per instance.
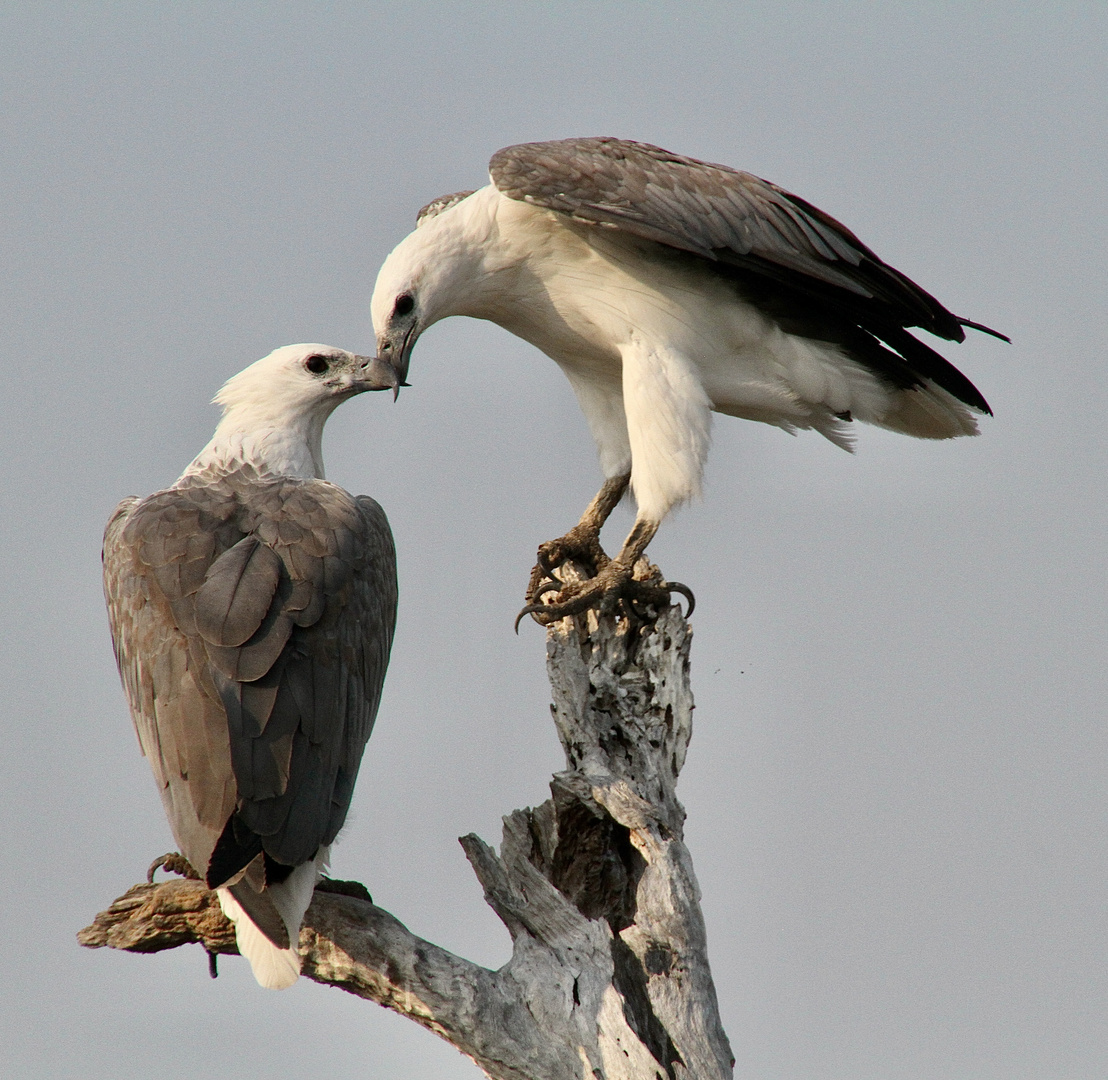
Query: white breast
584,292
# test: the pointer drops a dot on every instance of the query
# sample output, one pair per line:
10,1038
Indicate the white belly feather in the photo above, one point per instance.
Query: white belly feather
652,345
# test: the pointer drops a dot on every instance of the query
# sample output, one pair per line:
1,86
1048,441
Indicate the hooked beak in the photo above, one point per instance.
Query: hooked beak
376,374
394,351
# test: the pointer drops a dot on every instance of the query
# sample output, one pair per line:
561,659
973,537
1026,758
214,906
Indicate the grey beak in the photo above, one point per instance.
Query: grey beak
394,348
377,374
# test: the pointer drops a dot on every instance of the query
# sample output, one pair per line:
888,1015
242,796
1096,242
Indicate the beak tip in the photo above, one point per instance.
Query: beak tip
381,375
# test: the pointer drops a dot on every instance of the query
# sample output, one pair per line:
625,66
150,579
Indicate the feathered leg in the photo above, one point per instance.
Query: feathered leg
667,422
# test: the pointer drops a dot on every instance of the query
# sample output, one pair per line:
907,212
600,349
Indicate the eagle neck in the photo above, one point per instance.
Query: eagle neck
466,267
289,445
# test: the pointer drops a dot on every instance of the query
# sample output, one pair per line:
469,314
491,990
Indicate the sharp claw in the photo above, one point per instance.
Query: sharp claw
573,606
685,591
538,609
530,609
175,863
555,554
536,596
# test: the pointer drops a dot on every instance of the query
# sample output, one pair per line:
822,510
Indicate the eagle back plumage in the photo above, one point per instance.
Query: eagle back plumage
711,210
252,619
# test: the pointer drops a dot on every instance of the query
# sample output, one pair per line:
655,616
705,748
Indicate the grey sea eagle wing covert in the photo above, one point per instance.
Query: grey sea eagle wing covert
252,615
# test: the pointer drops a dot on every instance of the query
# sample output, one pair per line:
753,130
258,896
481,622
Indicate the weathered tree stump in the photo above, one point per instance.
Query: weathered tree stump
609,975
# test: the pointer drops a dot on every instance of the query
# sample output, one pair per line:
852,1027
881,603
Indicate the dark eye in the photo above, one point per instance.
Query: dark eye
317,365
404,304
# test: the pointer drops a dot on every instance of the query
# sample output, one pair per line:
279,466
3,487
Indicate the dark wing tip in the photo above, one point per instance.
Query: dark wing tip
985,329
233,850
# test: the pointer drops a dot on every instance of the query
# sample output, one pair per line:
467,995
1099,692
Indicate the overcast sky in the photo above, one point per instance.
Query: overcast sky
896,783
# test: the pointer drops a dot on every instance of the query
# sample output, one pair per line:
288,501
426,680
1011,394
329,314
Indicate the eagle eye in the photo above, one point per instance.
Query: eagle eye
317,365
404,304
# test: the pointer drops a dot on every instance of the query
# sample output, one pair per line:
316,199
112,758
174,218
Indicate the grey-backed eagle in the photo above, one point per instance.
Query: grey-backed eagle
666,289
252,607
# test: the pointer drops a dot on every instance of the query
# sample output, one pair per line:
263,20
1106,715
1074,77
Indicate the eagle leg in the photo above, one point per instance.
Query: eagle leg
611,588
581,544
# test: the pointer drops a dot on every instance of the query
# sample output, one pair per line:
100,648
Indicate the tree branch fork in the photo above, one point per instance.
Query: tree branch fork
609,975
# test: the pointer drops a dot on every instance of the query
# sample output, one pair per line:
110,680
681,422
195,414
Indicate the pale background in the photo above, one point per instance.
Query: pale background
896,785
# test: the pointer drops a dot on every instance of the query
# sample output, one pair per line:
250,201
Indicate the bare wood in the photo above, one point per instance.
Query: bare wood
609,976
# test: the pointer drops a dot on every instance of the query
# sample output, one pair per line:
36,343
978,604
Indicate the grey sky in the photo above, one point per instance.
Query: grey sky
896,785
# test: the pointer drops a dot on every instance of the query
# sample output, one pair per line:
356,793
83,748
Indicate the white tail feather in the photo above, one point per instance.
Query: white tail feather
929,412
273,967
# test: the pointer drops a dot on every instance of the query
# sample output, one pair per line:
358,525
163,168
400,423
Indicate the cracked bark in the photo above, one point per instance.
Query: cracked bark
609,976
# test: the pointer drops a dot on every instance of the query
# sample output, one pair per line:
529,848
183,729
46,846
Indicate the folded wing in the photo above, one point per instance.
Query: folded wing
252,622
799,264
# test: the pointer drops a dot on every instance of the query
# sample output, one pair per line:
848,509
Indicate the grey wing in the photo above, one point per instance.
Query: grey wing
179,719
252,624
747,225
375,622
711,210
301,693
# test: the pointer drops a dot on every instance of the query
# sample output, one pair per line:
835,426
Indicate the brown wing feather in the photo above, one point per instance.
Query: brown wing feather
237,593
180,723
252,622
